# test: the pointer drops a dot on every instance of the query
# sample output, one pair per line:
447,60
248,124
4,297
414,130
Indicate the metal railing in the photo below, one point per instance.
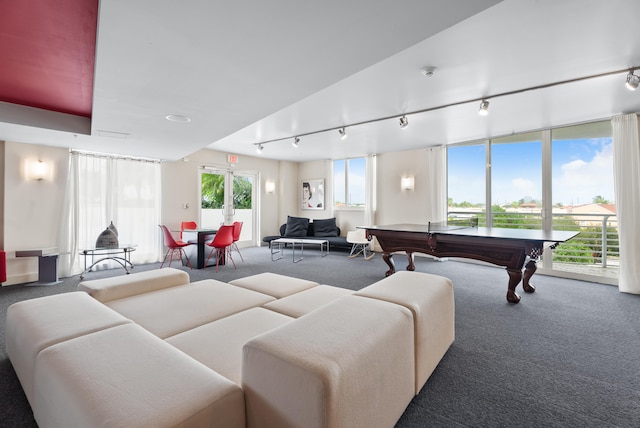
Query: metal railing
597,244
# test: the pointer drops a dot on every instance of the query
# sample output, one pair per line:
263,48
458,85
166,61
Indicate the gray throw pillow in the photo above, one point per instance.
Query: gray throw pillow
296,227
325,228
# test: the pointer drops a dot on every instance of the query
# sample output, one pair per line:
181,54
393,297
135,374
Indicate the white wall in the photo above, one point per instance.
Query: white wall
346,219
32,209
402,206
180,186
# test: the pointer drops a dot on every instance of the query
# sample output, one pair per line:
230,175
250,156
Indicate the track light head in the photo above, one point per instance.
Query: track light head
343,133
484,108
404,122
296,142
632,81
260,148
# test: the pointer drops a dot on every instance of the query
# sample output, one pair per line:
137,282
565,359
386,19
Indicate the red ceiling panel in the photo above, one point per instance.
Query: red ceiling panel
47,54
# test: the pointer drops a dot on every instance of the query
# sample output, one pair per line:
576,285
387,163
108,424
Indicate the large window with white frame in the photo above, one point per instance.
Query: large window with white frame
349,183
558,179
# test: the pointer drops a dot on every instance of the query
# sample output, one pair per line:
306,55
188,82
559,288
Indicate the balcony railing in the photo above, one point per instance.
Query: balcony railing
596,246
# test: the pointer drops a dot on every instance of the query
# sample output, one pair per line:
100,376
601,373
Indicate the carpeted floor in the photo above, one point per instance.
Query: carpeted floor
567,356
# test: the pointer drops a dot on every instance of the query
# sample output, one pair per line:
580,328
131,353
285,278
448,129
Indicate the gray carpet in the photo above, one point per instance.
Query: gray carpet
567,356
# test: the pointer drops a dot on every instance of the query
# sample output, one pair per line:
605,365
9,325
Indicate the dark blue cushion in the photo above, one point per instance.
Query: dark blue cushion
325,228
296,227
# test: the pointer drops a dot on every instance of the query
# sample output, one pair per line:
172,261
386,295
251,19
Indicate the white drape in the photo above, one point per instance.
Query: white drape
370,191
436,184
103,189
626,166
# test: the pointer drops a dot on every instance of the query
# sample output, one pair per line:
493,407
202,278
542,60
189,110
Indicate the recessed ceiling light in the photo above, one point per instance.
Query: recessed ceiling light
428,71
178,118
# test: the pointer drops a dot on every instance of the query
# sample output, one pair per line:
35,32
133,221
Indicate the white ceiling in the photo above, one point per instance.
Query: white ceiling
273,70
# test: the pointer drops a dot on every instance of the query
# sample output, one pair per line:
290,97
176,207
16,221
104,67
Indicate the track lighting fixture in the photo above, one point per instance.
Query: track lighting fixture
404,122
484,108
632,81
295,143
260,148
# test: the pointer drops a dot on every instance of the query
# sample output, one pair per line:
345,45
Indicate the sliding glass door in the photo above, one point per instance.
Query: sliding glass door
228,196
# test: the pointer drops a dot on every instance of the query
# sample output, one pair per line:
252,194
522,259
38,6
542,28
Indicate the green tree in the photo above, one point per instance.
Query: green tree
212,190
600,200
242,191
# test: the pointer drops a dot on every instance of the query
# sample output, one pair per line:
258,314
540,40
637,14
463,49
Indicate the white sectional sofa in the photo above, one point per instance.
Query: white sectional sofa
151,349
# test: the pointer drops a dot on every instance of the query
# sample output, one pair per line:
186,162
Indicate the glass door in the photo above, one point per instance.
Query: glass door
228,196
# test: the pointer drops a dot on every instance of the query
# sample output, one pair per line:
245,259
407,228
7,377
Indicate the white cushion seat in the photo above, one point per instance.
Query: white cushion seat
274,284
173,310
332,368
119,287
302,303
33,325
125,377
430,300
218,344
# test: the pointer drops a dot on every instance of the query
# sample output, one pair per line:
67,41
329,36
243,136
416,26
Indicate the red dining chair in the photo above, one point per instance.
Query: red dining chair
187,225
221,245
173,247
237,229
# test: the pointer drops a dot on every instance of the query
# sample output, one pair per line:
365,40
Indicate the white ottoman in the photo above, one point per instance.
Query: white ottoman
430,300
302,303
274,284
118,287
33,325
126,377
347,364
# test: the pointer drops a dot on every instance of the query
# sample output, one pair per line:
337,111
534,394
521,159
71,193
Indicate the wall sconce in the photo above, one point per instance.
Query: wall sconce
38,170
270,187
407,183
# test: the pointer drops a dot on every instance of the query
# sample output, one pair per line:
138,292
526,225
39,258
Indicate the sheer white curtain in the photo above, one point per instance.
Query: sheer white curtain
626,166
436,183
103,189
370,191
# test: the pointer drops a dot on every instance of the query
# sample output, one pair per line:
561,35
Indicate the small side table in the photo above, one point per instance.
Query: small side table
47,265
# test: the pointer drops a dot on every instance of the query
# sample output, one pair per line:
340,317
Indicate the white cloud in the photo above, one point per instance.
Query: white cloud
580,181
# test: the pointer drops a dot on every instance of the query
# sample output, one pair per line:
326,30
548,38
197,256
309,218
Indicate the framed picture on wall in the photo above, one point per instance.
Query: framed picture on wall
313,194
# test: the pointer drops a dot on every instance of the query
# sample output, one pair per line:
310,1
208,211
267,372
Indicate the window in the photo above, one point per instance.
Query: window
467,178
104,189
559,179
516,181
349,178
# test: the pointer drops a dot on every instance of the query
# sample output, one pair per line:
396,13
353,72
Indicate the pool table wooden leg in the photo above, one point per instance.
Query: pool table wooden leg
515,276
387,257
530,269
410,266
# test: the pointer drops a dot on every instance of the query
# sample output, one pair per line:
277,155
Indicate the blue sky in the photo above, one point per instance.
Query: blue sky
581,170
357,175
